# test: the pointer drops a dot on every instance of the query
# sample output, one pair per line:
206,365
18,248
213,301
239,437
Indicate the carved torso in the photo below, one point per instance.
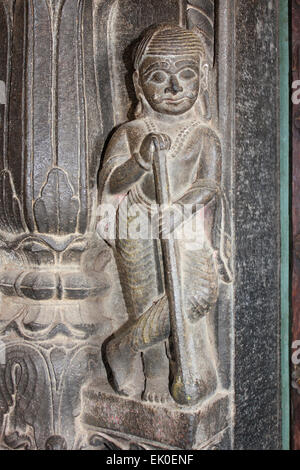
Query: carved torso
194,154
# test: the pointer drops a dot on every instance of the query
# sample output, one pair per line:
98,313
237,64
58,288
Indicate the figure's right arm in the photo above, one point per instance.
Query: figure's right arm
140,157
125,143
125,176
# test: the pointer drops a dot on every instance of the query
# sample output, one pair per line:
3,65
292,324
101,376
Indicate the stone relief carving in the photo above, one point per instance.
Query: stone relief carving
130,320
165,216
170,156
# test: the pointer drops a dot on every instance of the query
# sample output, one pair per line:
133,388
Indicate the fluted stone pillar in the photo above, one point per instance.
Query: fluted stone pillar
51,262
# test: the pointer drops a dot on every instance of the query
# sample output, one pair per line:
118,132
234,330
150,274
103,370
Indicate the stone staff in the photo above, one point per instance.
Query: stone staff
184,389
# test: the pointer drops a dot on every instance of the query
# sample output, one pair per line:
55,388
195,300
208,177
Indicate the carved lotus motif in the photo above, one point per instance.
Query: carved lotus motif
56,211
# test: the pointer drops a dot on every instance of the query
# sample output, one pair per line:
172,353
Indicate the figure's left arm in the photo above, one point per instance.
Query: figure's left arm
205,188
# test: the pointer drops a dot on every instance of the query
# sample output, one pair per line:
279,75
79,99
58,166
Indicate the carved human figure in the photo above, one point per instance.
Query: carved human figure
170,136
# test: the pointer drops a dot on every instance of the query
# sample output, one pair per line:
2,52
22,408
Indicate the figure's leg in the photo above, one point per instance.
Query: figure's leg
123,350
121,362
217,229
200,287
200,282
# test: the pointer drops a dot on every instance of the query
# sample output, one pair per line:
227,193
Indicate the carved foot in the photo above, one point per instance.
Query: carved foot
156,370
156,391
121,365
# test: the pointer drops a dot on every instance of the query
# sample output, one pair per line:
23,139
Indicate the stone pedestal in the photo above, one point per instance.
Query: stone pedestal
158,425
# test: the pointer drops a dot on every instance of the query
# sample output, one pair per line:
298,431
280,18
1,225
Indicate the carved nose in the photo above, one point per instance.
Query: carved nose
174,86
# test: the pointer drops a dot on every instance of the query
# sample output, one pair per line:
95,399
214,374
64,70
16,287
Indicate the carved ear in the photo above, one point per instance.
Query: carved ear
136,82
139,94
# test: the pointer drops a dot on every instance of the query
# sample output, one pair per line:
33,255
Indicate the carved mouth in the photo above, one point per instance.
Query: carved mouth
176,102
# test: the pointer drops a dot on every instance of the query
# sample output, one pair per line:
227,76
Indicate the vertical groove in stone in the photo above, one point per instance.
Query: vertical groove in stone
82,131
4,32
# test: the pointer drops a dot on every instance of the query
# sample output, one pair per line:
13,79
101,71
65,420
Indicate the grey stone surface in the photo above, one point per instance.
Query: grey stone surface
256,227
163,424
67,69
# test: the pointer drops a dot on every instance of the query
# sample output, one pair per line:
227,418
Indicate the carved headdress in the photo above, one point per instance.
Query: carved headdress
168,40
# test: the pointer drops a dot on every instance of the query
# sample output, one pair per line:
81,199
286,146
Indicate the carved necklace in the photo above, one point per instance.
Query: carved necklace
181,136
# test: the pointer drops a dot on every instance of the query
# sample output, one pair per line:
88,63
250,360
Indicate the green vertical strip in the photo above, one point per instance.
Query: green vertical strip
284,213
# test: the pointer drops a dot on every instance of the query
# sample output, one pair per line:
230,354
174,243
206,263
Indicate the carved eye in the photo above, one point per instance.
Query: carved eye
158,77
187,74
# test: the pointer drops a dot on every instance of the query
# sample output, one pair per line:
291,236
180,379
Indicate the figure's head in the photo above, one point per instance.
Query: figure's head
169,67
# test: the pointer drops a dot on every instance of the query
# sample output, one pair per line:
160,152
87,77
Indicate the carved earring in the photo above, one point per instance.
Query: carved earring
139,108
205,105
204,95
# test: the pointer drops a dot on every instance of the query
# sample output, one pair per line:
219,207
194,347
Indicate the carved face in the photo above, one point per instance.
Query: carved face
170,84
